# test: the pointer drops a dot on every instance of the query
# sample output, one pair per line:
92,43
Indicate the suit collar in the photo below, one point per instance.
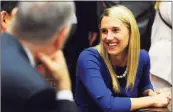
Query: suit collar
12,41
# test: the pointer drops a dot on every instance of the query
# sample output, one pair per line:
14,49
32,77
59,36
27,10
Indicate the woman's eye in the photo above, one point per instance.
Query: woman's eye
103,31
115,30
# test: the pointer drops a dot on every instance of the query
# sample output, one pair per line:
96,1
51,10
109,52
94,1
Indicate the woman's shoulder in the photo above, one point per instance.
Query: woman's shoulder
89,53
89,57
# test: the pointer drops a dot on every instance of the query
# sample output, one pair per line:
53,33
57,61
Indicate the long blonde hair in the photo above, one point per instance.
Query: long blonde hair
126,16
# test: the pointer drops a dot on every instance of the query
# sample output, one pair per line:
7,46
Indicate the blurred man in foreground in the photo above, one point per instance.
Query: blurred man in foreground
36,33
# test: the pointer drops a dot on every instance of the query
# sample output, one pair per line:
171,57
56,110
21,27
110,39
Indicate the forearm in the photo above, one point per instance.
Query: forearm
142,102
159,100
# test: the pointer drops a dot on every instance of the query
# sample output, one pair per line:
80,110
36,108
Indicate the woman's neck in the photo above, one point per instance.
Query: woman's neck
119,60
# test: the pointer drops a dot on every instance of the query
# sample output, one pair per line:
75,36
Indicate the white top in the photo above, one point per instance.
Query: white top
160,50
160,31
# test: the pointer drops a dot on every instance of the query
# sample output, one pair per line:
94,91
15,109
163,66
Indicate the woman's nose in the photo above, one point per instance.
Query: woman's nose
110,36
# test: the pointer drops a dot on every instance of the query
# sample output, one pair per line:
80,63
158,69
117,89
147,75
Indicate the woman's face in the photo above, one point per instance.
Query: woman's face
114,35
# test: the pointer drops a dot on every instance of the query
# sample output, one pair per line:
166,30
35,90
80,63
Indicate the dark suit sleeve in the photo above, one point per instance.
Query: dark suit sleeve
88,70
45,101
27,91
66,106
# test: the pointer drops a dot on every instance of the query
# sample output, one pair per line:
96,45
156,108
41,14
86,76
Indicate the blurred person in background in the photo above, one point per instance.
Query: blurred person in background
36,33
160,51
6,13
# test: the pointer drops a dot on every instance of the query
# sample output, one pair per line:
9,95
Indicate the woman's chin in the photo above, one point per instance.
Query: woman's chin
112,52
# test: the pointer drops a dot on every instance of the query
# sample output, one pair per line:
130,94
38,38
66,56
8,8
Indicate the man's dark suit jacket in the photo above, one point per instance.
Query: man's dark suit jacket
23,89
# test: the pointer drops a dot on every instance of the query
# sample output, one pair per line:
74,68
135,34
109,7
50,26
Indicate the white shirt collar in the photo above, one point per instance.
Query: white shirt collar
30,56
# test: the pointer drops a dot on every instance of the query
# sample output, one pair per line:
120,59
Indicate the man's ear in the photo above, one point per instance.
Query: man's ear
4,21
61,37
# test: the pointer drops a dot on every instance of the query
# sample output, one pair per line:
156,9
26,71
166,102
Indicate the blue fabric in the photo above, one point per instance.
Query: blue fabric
94,91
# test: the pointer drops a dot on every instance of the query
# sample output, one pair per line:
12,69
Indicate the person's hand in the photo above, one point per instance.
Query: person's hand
92,37
152,93
58,69
166,91
161,100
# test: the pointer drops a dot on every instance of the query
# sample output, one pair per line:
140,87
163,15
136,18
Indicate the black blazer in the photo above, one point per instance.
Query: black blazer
23,89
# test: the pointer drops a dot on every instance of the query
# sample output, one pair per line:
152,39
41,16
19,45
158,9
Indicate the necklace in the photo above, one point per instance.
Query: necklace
121,76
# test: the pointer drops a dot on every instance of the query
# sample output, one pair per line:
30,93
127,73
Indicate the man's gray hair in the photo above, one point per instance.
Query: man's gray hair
40,21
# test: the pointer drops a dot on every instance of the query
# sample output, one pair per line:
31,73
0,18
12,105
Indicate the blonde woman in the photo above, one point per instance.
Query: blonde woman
113,76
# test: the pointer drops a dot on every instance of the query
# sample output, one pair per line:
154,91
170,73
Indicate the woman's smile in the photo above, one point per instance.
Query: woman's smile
111,45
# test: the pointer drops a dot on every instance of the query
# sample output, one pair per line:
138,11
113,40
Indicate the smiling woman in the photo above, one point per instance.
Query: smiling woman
121,42
110,28
114,74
